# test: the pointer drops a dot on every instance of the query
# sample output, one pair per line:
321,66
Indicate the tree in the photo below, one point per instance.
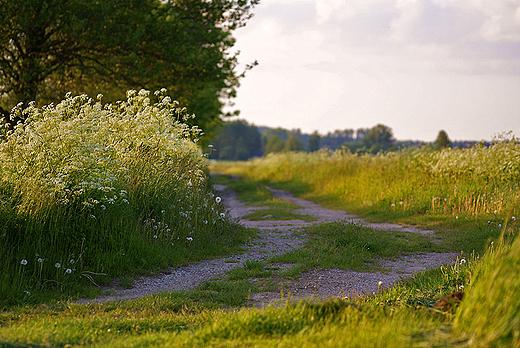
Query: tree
49,47
379,138
334,140
442,140
237,140
273,145
294,143
361,134
313,142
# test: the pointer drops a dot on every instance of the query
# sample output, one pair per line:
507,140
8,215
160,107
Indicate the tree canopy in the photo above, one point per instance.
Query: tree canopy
293,143
237,140
274,144
50,47
379,138
313,142
442,140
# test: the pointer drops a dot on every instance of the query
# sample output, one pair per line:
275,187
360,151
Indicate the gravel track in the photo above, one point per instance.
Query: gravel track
276,238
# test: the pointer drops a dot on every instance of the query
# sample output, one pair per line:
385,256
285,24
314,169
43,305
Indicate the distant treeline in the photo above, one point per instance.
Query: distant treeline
239,140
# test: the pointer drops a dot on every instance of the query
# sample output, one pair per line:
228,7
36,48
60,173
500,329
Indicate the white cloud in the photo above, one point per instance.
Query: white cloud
416,65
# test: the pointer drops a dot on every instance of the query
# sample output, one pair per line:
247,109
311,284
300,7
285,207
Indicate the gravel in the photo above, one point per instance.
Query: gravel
279,237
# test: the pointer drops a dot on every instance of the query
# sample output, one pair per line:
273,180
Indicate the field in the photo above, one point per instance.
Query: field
93,193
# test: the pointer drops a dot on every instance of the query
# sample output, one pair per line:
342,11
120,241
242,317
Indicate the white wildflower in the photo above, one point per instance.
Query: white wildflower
218,199
23,262
57,265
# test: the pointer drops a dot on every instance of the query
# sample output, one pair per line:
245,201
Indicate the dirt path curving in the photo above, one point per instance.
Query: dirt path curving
276,238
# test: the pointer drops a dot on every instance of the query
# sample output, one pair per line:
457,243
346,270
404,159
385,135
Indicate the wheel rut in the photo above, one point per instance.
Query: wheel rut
277,238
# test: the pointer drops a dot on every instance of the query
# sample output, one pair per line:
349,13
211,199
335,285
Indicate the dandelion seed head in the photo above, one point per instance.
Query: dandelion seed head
218,199
57,265
23,262
68,271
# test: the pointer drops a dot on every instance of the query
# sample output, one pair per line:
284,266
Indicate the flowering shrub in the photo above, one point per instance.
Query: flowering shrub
80,150
110,182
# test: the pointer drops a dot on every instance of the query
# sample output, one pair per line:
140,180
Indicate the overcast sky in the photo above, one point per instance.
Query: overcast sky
417,66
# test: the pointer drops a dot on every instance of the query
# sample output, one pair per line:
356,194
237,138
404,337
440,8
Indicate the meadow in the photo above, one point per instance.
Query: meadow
93,192
468,190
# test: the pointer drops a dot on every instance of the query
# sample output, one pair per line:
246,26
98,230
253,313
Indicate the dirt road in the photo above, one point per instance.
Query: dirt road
278,237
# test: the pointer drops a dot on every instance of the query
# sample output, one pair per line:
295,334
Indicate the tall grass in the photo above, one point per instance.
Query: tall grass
490,313
476,181
88,188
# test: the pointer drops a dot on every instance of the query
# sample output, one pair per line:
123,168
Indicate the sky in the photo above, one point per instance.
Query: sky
416,66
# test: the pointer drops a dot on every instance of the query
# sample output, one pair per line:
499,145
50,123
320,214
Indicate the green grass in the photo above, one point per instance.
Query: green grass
351,246
490,312
455,191
400,317
403,316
